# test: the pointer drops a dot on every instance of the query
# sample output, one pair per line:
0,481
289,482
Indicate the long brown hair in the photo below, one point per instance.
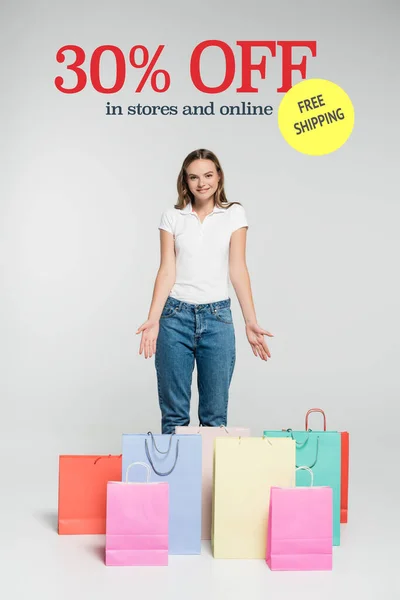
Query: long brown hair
185,195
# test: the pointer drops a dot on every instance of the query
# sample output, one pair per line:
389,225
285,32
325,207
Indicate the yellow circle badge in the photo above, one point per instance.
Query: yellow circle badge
316,117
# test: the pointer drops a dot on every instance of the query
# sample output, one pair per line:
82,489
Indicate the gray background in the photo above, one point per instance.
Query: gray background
81,196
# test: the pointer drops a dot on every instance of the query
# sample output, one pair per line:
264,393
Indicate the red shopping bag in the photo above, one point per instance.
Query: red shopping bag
82,492
344,479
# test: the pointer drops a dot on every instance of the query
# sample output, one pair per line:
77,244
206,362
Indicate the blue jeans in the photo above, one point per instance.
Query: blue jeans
194,332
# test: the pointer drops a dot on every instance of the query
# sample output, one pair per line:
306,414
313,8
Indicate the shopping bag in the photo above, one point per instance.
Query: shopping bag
344,477
344,482
175,459
245,470
321,452
208,435
300,528
137,522
82,492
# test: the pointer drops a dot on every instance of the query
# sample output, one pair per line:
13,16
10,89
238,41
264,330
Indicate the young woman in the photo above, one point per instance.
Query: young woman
203,245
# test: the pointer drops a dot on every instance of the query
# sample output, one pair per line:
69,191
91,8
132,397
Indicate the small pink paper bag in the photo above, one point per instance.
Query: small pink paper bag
137,522
300,528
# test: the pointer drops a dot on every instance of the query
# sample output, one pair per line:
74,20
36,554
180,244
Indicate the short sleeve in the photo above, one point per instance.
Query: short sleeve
238,217
167,222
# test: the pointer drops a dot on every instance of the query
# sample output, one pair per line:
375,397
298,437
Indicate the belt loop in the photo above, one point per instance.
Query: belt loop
212,307
179,307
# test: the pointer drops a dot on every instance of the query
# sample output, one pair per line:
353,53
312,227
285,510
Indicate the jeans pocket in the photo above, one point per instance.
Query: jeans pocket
168,311
224,315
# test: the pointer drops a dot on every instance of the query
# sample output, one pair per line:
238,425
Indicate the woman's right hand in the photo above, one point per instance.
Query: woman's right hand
149,331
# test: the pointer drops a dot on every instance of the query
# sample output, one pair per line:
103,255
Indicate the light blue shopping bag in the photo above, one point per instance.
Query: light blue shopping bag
175,459
321,452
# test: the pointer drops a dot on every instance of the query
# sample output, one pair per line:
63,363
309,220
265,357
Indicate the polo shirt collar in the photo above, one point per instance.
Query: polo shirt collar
189,209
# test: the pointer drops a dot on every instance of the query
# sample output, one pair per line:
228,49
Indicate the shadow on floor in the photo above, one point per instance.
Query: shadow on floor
97,551
48,519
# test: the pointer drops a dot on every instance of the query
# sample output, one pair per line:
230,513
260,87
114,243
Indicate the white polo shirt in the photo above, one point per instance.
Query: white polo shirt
202,251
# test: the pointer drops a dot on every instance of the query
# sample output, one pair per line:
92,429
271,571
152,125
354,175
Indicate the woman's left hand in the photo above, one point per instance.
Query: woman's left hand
255,335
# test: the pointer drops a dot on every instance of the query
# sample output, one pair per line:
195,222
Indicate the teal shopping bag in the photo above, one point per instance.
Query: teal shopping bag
321,451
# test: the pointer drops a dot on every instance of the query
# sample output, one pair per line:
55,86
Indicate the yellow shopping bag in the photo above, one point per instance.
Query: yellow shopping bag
244,471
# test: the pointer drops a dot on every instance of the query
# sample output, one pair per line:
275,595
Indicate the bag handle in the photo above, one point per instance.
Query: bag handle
143,465
316,457
155,445
221,426
318,410
304,468
169,447
298,444
109,456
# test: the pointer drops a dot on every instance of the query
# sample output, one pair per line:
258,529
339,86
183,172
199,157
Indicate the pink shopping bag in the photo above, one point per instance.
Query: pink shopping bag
300,528
137,522
208,436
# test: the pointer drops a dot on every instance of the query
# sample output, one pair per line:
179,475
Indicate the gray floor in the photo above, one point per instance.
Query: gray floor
36,562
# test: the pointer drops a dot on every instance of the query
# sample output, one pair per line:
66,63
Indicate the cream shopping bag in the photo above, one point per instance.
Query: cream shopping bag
245,470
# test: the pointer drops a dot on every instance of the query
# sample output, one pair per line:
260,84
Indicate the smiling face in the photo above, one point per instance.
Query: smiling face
202,179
